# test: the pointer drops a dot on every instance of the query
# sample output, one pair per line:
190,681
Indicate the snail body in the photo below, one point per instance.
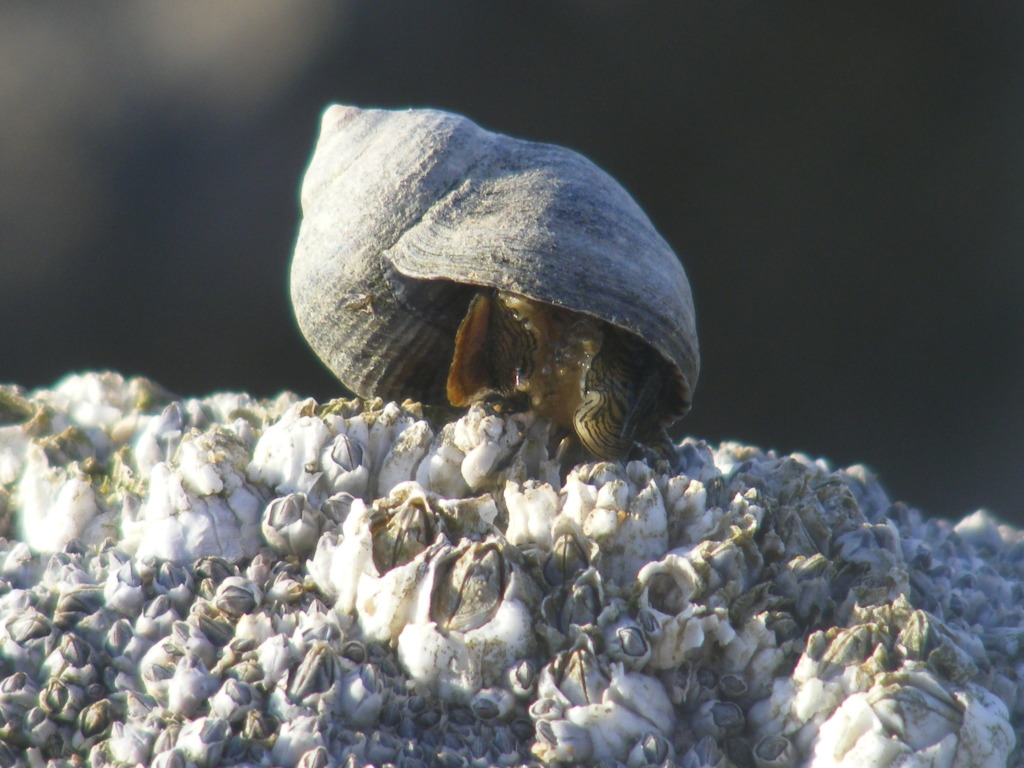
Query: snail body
443,262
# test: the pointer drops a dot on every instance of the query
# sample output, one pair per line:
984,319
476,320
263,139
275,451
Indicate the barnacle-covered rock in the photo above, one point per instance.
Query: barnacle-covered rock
875,693
231,581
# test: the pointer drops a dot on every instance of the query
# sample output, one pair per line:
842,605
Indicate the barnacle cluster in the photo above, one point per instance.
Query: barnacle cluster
232,581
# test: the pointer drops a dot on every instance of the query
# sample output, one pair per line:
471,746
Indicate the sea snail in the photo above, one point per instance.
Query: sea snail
439,261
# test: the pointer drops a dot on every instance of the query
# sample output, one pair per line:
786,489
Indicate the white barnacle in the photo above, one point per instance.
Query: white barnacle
295,738
532,508
123,590
58,505
131,743
291,525
190,687
614,707
203,740
471,619
402,461
275,656
486,440
912,717
234,699
286,458
360,696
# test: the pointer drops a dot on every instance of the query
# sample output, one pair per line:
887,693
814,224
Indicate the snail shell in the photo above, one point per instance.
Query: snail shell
427,243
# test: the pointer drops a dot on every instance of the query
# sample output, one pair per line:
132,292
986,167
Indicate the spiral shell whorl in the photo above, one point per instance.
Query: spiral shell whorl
354,209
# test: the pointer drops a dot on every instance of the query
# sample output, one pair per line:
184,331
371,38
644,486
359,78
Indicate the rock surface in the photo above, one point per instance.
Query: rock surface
231,581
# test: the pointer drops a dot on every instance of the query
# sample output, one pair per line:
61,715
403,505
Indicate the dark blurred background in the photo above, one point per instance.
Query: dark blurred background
843,182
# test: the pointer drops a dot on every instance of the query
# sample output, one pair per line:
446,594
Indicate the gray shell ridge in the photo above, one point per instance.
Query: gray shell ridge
404,212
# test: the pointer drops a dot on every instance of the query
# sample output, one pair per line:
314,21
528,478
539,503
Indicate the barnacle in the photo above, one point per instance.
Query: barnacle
334,593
